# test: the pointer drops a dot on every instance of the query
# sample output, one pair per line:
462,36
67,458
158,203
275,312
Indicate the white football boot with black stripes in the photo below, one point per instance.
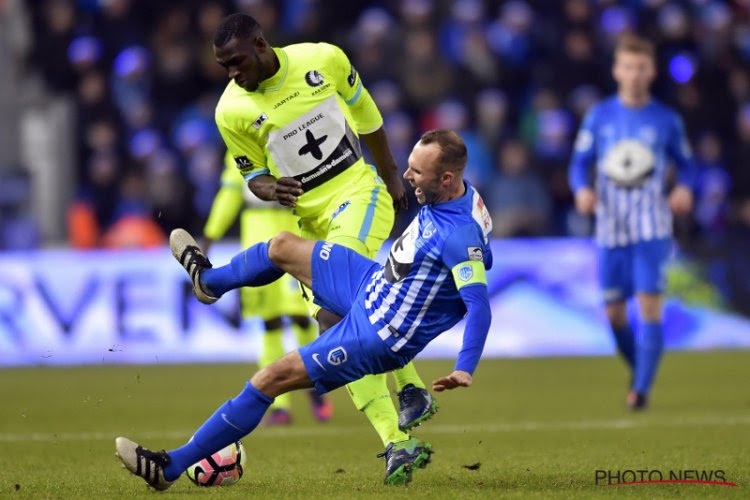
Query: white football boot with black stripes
143,462
186,251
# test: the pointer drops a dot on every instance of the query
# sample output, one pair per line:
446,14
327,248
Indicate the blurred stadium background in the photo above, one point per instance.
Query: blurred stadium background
108,142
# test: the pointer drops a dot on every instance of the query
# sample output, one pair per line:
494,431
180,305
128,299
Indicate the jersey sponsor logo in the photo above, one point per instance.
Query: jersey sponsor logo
629,163
481,215
325,251
465,273
340,209
312,146
286,99
329,148
313,78
337,356
259,121
242,162
475,253
352,78
401,257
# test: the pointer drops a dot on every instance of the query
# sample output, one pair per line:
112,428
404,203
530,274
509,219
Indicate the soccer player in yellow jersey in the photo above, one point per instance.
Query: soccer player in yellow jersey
261,221
292,117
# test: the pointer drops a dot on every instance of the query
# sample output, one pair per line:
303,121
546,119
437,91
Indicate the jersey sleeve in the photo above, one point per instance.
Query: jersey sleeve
349,86
679,150
584,152
463,254
227,203
242,144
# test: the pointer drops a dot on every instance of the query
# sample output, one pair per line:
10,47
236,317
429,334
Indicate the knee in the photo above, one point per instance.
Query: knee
617,315
279,246
270,379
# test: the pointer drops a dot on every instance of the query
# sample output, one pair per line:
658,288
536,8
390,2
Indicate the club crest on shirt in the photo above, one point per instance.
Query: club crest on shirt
429,230
337,355
465,273
313,78
475,253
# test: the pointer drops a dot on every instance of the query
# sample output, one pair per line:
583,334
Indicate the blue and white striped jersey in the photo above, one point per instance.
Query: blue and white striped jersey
415,296
630,147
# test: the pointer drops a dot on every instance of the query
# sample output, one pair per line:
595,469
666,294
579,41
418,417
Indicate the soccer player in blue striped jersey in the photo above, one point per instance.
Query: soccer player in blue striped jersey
435,275
629,139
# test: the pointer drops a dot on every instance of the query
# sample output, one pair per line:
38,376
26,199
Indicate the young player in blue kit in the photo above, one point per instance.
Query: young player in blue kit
629,137
435,275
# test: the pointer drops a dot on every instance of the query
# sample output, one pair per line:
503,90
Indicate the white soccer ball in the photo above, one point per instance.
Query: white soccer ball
223,468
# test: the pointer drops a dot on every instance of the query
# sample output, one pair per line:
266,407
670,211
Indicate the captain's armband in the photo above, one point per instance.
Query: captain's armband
468,273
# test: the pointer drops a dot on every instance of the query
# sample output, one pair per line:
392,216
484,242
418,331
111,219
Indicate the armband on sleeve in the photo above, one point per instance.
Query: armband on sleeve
469,272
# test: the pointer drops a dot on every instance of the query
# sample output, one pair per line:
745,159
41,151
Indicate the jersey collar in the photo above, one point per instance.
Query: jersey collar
277,80
450,204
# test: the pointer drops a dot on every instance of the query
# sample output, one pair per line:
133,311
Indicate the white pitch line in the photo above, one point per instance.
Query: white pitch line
431,428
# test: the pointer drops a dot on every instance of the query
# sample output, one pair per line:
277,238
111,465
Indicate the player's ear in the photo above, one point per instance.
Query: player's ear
446,179
260,44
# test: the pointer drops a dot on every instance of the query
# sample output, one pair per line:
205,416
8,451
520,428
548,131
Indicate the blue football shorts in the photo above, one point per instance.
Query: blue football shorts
637,268
351,349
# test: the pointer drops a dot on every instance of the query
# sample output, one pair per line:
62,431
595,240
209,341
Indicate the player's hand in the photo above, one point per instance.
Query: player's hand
681,200
585,201
458,378
398,192
288,189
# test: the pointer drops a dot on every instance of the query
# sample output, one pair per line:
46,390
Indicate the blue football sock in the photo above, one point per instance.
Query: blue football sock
251,267
625,340
233,420
648,351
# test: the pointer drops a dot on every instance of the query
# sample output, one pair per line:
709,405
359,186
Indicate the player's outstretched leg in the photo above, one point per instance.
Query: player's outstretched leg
231,421
189,255
259,265
401,459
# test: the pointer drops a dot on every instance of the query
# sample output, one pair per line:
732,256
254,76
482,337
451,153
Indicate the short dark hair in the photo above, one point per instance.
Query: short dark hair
237,25
453,154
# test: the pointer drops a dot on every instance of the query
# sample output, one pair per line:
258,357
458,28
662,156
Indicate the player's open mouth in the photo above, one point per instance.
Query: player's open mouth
418,191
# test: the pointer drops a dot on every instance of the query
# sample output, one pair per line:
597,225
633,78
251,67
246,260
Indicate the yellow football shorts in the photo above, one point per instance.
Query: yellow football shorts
360,218
283,296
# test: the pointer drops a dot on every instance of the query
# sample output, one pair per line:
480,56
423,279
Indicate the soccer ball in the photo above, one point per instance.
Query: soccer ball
224,467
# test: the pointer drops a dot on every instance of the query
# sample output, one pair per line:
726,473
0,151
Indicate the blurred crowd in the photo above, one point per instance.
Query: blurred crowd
513,77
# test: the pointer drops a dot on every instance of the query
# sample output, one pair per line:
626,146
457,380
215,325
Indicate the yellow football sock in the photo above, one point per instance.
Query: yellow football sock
305,335
370,395
271,350
407,375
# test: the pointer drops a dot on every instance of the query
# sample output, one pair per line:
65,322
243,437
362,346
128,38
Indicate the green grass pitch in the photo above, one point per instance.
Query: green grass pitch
538,428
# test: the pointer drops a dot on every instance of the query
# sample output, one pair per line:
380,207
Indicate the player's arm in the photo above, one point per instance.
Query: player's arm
369,123
584,153
470,276
226,206
678,147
